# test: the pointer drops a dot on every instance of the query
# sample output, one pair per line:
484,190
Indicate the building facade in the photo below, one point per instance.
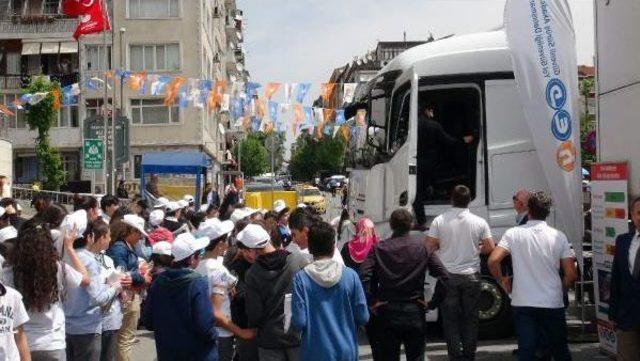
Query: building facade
194,39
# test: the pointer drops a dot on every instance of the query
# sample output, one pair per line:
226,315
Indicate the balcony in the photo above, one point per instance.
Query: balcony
18,26
10,82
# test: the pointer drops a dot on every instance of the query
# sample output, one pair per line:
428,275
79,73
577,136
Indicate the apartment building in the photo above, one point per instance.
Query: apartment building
200,39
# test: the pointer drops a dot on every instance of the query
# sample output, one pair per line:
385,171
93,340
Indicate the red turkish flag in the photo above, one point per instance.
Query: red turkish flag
77,7
93,21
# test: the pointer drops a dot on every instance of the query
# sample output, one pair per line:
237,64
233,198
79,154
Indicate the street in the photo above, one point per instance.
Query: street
436,350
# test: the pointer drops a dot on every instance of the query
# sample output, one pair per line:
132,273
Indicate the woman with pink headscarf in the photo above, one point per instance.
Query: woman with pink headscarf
356,251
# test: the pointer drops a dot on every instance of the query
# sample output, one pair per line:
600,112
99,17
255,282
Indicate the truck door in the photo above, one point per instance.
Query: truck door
449,148
512,160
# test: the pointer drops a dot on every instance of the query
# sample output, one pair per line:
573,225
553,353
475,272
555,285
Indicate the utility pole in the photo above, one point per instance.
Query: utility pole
106,166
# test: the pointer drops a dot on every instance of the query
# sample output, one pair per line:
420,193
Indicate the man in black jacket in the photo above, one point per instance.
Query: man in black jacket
393,279
269,282
625,289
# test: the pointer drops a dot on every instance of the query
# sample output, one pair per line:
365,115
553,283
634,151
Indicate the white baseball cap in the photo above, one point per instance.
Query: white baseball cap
172,206
254,236
135,222
161,202
186,244
162,248
8,232
301,205
239,214
183,204
156,217
214,230
188,198
77,220
279,205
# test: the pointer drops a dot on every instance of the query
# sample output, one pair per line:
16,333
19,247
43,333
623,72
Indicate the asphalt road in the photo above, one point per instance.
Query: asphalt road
499,350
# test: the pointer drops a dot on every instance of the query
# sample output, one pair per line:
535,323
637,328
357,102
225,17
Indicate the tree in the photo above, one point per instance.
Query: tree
254,157
265,139
587,123
310,156
41,117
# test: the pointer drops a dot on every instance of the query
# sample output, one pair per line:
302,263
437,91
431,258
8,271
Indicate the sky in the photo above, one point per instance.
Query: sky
304,40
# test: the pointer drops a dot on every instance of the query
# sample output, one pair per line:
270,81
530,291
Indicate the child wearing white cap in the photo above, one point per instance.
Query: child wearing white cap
221,284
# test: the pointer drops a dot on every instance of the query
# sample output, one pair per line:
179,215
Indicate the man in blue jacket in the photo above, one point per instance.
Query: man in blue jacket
625,289
328,302
178,308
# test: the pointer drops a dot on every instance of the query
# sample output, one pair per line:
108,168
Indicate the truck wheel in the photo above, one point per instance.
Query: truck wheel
495,311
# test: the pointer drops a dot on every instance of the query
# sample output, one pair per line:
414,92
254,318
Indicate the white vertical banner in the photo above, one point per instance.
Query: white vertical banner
543,50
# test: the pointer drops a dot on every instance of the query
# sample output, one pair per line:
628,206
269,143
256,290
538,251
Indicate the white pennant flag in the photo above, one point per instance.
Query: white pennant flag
226,100
289,90
37,98
349,92
319,115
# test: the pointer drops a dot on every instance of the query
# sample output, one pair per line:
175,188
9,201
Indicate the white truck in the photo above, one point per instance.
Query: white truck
6,159
470,81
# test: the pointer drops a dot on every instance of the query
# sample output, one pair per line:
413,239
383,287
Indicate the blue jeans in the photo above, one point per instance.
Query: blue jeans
534,323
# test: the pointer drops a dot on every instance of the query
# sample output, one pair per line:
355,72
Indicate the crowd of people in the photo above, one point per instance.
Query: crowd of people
226,282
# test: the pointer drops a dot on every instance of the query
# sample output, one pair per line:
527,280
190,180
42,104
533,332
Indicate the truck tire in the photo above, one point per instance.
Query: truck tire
496,320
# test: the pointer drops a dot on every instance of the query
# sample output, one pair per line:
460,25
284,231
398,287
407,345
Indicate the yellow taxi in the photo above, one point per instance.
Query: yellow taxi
312,197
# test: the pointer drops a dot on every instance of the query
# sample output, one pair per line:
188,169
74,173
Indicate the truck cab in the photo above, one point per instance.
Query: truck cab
483,142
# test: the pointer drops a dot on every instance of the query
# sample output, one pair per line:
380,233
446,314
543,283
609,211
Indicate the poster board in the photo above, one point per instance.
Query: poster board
609,215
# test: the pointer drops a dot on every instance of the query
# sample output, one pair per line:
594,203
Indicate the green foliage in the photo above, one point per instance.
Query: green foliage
310,156
254,157
587,121
265,139
41,117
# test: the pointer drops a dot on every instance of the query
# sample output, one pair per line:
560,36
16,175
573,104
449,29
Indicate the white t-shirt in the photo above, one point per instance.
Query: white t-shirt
536,250
221,281
12,315
46,330
459,233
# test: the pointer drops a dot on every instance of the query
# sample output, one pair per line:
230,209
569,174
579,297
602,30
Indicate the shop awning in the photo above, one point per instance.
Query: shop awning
30,48
50,48
69,47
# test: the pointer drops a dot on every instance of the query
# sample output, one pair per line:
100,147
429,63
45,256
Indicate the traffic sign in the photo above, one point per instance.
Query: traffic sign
94,129
93,153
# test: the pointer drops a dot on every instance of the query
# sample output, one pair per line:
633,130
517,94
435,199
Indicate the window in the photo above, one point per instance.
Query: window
154,9
16,121
94,107
94,55
399,122
50,7
153,111
160,57
68,116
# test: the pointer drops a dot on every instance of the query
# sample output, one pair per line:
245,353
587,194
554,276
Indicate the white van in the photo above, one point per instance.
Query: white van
469,80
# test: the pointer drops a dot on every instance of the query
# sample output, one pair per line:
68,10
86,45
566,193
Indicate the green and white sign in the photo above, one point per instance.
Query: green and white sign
93,153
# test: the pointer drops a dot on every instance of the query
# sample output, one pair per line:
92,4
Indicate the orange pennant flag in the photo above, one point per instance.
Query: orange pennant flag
326,91
261,108
4,110
328,114
135,81
109,74
345,132
298,115
246,122
220,86
57,104
271,89
172,90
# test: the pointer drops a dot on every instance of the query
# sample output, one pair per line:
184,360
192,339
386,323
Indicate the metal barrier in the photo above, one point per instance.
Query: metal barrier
66,198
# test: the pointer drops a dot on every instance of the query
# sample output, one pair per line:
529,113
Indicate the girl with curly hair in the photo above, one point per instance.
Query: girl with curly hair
43,280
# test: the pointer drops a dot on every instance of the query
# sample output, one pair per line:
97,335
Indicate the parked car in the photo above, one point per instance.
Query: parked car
312,197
